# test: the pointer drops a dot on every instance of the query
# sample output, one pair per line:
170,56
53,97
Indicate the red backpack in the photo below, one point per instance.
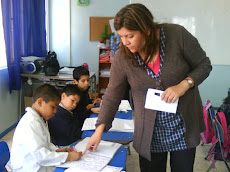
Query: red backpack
209,133
217,133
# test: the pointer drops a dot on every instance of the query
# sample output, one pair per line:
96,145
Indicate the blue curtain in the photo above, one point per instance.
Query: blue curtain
24,33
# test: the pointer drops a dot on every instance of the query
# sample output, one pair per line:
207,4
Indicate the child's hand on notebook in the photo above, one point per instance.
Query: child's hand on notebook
95,110
74,156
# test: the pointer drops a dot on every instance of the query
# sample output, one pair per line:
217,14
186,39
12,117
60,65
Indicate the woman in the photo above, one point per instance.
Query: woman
164,57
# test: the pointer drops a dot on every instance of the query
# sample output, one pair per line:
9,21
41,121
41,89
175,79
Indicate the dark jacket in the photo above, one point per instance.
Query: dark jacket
80,112
183,57
64,128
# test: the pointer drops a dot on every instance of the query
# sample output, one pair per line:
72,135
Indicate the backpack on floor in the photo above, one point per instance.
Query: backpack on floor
209,133
216,124
224,138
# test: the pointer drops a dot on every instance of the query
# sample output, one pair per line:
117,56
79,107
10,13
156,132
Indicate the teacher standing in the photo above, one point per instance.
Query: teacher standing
164,57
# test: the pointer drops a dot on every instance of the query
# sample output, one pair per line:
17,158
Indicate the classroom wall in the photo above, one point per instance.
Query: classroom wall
71,42
207,21
215,87
59,30
9,104
79,50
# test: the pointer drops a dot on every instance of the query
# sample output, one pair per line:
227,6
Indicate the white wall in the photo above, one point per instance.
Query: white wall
80,49
59,30
83,50
215,87
9,103
207,20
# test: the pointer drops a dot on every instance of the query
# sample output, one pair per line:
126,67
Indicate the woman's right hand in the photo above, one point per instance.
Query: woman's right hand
95,139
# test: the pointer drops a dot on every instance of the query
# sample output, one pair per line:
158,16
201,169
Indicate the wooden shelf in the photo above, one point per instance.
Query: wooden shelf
103,80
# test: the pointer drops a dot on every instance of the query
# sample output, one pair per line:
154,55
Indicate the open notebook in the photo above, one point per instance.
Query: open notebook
94,161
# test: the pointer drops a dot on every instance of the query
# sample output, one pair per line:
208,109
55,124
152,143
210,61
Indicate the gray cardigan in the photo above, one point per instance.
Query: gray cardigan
183,57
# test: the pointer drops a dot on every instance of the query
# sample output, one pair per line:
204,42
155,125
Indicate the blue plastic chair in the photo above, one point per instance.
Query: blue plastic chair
4,155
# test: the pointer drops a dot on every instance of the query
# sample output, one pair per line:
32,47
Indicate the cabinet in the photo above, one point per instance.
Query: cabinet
105,60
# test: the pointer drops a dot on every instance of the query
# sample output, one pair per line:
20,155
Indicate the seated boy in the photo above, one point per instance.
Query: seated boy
64,128
31,146
85,105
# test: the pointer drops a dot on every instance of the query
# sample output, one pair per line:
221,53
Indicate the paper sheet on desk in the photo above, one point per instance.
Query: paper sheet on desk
65,76
107,168
120,125
105,148
93,161
153,101
66,70
124,106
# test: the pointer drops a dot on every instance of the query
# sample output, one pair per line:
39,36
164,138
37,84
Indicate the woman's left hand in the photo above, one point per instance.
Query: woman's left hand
171,94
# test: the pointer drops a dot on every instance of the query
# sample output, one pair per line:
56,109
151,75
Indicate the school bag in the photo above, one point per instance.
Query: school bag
220,149
209,133
51,66
223,138
223,115
85,65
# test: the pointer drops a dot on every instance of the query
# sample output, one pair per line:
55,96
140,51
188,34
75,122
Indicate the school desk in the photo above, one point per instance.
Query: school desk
118,160
125,138
114,136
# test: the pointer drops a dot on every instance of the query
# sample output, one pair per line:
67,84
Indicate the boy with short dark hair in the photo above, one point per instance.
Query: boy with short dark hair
86,105
64,128
31,146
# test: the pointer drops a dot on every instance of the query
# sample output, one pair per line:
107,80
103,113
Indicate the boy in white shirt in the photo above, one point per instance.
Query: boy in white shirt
31,146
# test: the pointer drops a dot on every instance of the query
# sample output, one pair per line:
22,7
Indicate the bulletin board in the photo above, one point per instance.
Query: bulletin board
97,26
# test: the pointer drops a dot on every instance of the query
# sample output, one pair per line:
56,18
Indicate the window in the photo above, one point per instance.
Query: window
3,63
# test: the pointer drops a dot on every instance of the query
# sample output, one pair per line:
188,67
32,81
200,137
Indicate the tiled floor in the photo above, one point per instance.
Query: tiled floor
132,163
201,165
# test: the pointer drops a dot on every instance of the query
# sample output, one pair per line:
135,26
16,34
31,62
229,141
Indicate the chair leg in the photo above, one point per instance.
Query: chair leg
209,152
209,168
227,166
222,154
128,148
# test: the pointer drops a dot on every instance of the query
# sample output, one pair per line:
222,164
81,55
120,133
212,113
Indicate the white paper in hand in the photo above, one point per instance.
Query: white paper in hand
153,101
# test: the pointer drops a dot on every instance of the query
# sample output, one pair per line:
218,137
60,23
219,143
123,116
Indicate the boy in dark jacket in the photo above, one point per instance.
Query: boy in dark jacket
64,127
85,105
